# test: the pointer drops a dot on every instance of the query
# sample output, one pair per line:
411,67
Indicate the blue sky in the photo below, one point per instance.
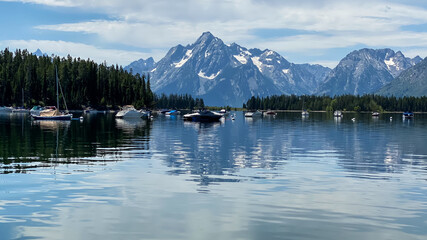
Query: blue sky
304,31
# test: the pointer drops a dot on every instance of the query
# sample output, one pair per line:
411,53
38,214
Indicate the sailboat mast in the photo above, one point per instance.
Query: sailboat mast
22,97
57,94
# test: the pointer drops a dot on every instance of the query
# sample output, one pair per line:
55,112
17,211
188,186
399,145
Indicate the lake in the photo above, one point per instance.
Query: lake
282,177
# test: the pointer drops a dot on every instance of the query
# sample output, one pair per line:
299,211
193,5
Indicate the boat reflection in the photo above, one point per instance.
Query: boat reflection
130,125
51,125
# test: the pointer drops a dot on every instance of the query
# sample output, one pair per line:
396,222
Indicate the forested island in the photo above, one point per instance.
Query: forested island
28,80
345,102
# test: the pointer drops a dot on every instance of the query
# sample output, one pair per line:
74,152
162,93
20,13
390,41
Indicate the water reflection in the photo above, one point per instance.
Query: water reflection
303,179
26,145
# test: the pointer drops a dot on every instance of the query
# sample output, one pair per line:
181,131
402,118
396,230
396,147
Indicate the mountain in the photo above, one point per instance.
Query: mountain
230,74
141,66
39,53
365,71
411,82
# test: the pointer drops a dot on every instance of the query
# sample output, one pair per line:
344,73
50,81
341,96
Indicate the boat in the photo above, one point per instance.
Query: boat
224,112
203,116
6,109
53,113
36,110
253,114
304,113
408,115
20,110
172,112
89,110
375,114
129,111
270,113
338,113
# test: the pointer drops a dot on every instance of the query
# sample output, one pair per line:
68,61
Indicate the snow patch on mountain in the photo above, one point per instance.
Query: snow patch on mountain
242,59
212,76
390,63
257,63
187,56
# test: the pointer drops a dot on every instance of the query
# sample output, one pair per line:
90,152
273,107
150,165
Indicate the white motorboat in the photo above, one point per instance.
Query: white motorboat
5,109
129,111
338,113
253,114
304,113
224,112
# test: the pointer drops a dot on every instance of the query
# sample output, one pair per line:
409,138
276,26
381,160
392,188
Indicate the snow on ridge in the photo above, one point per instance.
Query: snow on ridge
391,63
202,75
285,71
187,56
154,70
241,59
257,63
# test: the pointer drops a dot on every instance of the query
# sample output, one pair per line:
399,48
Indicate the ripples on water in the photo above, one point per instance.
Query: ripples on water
282,177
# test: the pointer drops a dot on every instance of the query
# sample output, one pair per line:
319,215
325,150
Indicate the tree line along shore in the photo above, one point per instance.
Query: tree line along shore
28,80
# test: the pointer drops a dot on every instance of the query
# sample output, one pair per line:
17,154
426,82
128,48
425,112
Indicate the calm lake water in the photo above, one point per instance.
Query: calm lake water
270,178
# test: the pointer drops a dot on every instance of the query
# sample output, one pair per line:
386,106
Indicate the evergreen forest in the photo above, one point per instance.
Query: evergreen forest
345,102
27,80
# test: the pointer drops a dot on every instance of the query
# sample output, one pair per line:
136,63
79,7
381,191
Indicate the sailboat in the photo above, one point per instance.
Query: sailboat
53,113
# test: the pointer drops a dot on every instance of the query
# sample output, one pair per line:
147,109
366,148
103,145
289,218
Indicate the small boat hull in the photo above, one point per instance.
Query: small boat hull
66,117
206,116
408,115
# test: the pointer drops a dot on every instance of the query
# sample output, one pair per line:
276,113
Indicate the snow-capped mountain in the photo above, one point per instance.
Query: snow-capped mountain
230,74
141,66
365,71
411,82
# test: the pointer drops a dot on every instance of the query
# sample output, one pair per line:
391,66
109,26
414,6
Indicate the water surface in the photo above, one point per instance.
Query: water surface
282,177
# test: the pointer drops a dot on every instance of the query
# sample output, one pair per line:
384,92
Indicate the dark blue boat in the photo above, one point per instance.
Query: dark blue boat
408,115
203,116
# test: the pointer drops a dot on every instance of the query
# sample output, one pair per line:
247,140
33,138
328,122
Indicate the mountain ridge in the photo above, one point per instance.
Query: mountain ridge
208,66
411,82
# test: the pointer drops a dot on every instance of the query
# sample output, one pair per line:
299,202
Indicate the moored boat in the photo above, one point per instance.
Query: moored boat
53,113
304,113
253,114
338,113
20,110
224,112
129,111
270,113
5,109
36,110
375,114
172,112
408,115
203,116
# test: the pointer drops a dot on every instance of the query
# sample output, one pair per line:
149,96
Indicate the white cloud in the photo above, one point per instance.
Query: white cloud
62,48
330,23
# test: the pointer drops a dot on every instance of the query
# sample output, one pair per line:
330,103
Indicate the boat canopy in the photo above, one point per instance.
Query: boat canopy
49,113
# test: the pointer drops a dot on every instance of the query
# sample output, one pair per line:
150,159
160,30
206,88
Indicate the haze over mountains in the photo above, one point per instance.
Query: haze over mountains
230,74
